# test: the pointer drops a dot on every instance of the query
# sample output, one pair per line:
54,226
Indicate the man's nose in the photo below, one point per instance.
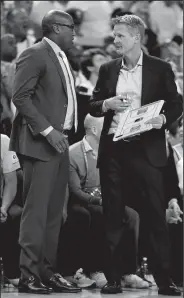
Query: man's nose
73,32
115,40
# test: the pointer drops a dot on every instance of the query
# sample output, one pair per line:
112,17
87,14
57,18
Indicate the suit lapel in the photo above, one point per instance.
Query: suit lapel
114,76
146,79
56,62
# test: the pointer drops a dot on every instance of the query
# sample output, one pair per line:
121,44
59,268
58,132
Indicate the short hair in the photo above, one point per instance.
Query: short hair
131,21
87,59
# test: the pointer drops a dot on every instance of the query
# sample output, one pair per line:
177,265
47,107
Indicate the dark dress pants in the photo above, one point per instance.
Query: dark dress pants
82,240
44,187
9,248
123,168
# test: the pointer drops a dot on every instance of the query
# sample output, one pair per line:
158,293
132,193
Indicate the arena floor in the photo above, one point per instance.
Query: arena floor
127,293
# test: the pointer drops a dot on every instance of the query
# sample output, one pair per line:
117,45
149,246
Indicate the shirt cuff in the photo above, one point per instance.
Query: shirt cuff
104,107
46,131
164,118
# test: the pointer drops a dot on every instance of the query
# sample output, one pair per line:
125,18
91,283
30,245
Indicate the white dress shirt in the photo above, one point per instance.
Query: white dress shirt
130,86
71,114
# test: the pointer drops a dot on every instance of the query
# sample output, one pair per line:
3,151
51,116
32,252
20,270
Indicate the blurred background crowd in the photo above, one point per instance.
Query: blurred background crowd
21,28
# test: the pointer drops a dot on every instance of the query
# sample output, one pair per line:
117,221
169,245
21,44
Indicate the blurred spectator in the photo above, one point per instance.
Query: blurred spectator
3,18
85,218
173,51
10,212
17,23
141,8
178,155
178,77
77,16
90,65
175,139
166,19
119,12
96,21
8,53
124,5
151,43
109,47
8,47
27,5
83,231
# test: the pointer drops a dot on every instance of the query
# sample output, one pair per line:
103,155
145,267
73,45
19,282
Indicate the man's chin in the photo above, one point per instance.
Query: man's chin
119,51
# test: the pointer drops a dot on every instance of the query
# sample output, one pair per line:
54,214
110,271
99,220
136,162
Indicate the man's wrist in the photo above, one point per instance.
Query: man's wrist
46,131
104,106
5,208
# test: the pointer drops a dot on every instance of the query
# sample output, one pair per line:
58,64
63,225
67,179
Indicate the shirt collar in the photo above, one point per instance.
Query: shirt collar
54,46
87,147
139,63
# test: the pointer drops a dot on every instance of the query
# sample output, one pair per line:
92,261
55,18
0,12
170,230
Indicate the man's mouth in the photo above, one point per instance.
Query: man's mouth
118,46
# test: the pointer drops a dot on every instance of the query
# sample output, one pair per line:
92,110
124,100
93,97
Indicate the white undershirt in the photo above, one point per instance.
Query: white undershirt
129,84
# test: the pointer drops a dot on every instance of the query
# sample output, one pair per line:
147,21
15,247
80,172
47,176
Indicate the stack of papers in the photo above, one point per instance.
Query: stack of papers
133,121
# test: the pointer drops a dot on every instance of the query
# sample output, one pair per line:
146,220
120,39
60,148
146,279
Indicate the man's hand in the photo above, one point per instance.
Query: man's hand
171,218
173,212
156,122
95,201
173,205
3,214
57,140
118,103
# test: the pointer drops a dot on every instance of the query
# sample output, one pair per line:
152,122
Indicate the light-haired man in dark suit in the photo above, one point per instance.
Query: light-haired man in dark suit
137,163
44,95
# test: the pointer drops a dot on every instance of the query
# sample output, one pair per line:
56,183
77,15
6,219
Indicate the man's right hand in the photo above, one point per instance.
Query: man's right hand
118,103
95,200
3,214
57,140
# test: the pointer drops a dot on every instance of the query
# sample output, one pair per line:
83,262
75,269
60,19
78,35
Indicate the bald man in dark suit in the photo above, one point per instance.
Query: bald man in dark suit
44,95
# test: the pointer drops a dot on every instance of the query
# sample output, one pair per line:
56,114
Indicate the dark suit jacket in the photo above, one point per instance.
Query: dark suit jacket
157,84
40,96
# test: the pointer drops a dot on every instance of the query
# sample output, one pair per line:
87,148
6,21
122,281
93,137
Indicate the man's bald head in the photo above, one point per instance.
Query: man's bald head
93,125
58,26
53,17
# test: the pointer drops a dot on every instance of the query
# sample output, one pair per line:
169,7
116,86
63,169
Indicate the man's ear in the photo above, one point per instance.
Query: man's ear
55,28
137,37
94,130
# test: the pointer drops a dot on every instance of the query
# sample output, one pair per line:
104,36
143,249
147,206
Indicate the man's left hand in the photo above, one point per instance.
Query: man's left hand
156,122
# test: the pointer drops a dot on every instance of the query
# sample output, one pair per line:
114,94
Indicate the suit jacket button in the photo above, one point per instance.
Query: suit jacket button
65,106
